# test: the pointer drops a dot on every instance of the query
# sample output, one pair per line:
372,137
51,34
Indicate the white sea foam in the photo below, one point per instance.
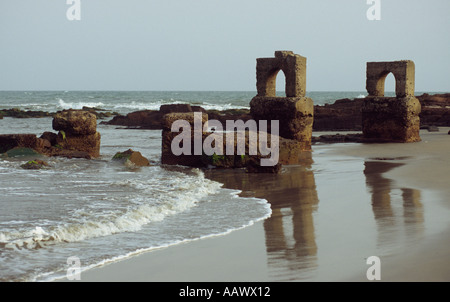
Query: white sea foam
79,105
177,196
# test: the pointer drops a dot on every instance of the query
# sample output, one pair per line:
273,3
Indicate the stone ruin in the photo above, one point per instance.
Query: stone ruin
391,119
294,111
77,137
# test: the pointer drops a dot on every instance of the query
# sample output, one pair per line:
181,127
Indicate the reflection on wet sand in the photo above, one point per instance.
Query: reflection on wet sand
384,197
290,236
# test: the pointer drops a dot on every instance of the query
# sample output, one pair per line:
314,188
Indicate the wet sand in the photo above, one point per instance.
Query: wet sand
343,204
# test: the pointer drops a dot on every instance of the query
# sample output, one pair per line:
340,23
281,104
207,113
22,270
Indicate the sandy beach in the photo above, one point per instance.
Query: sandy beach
345,203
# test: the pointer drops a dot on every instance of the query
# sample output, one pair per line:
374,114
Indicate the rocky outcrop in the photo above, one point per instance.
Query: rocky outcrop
143,119
338,138
12,141
342,115
152,119
288,151
18,113
77,137
435,109
345,114
131,159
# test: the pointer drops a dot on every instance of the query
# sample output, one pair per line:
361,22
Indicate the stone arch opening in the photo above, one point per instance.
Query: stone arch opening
390,84
280,83
387,82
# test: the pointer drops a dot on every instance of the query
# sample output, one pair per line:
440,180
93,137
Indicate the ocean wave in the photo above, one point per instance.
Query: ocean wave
73,105
152,204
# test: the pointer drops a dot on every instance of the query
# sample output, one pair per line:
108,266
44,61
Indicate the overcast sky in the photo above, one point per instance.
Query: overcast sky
213,44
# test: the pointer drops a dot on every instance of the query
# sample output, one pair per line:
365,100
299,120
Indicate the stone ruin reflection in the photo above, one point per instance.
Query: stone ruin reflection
290,234
385,204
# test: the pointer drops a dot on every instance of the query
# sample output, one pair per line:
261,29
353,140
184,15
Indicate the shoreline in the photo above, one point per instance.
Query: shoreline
267,251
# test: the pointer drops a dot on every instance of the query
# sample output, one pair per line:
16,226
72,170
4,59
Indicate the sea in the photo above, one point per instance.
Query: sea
89,213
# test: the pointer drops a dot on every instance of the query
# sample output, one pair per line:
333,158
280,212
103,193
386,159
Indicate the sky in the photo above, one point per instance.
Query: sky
212,45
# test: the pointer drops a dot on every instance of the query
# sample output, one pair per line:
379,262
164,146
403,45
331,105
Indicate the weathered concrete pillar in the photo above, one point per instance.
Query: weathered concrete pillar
193,129
295,112
391,119
77,131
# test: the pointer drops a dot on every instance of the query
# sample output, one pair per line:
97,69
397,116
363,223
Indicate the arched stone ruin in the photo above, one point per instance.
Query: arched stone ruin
295,112
391,119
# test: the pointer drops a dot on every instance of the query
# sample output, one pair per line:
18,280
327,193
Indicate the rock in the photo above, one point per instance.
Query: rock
290,151
432,129
143,119
169,108
132,158
342,115
89,144
34,164
17,113
99,113
339,138
51,137
20,151
449,132
75,122
10,141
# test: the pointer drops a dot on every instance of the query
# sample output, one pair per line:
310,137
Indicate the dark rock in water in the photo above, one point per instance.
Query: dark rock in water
433,129
75,122
449,132
435,109
342,115
77,138
20,151
17,113
132,158
338,138
143,119
99,113
169,108
152,119
34,164
345,114
10,141
51,137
